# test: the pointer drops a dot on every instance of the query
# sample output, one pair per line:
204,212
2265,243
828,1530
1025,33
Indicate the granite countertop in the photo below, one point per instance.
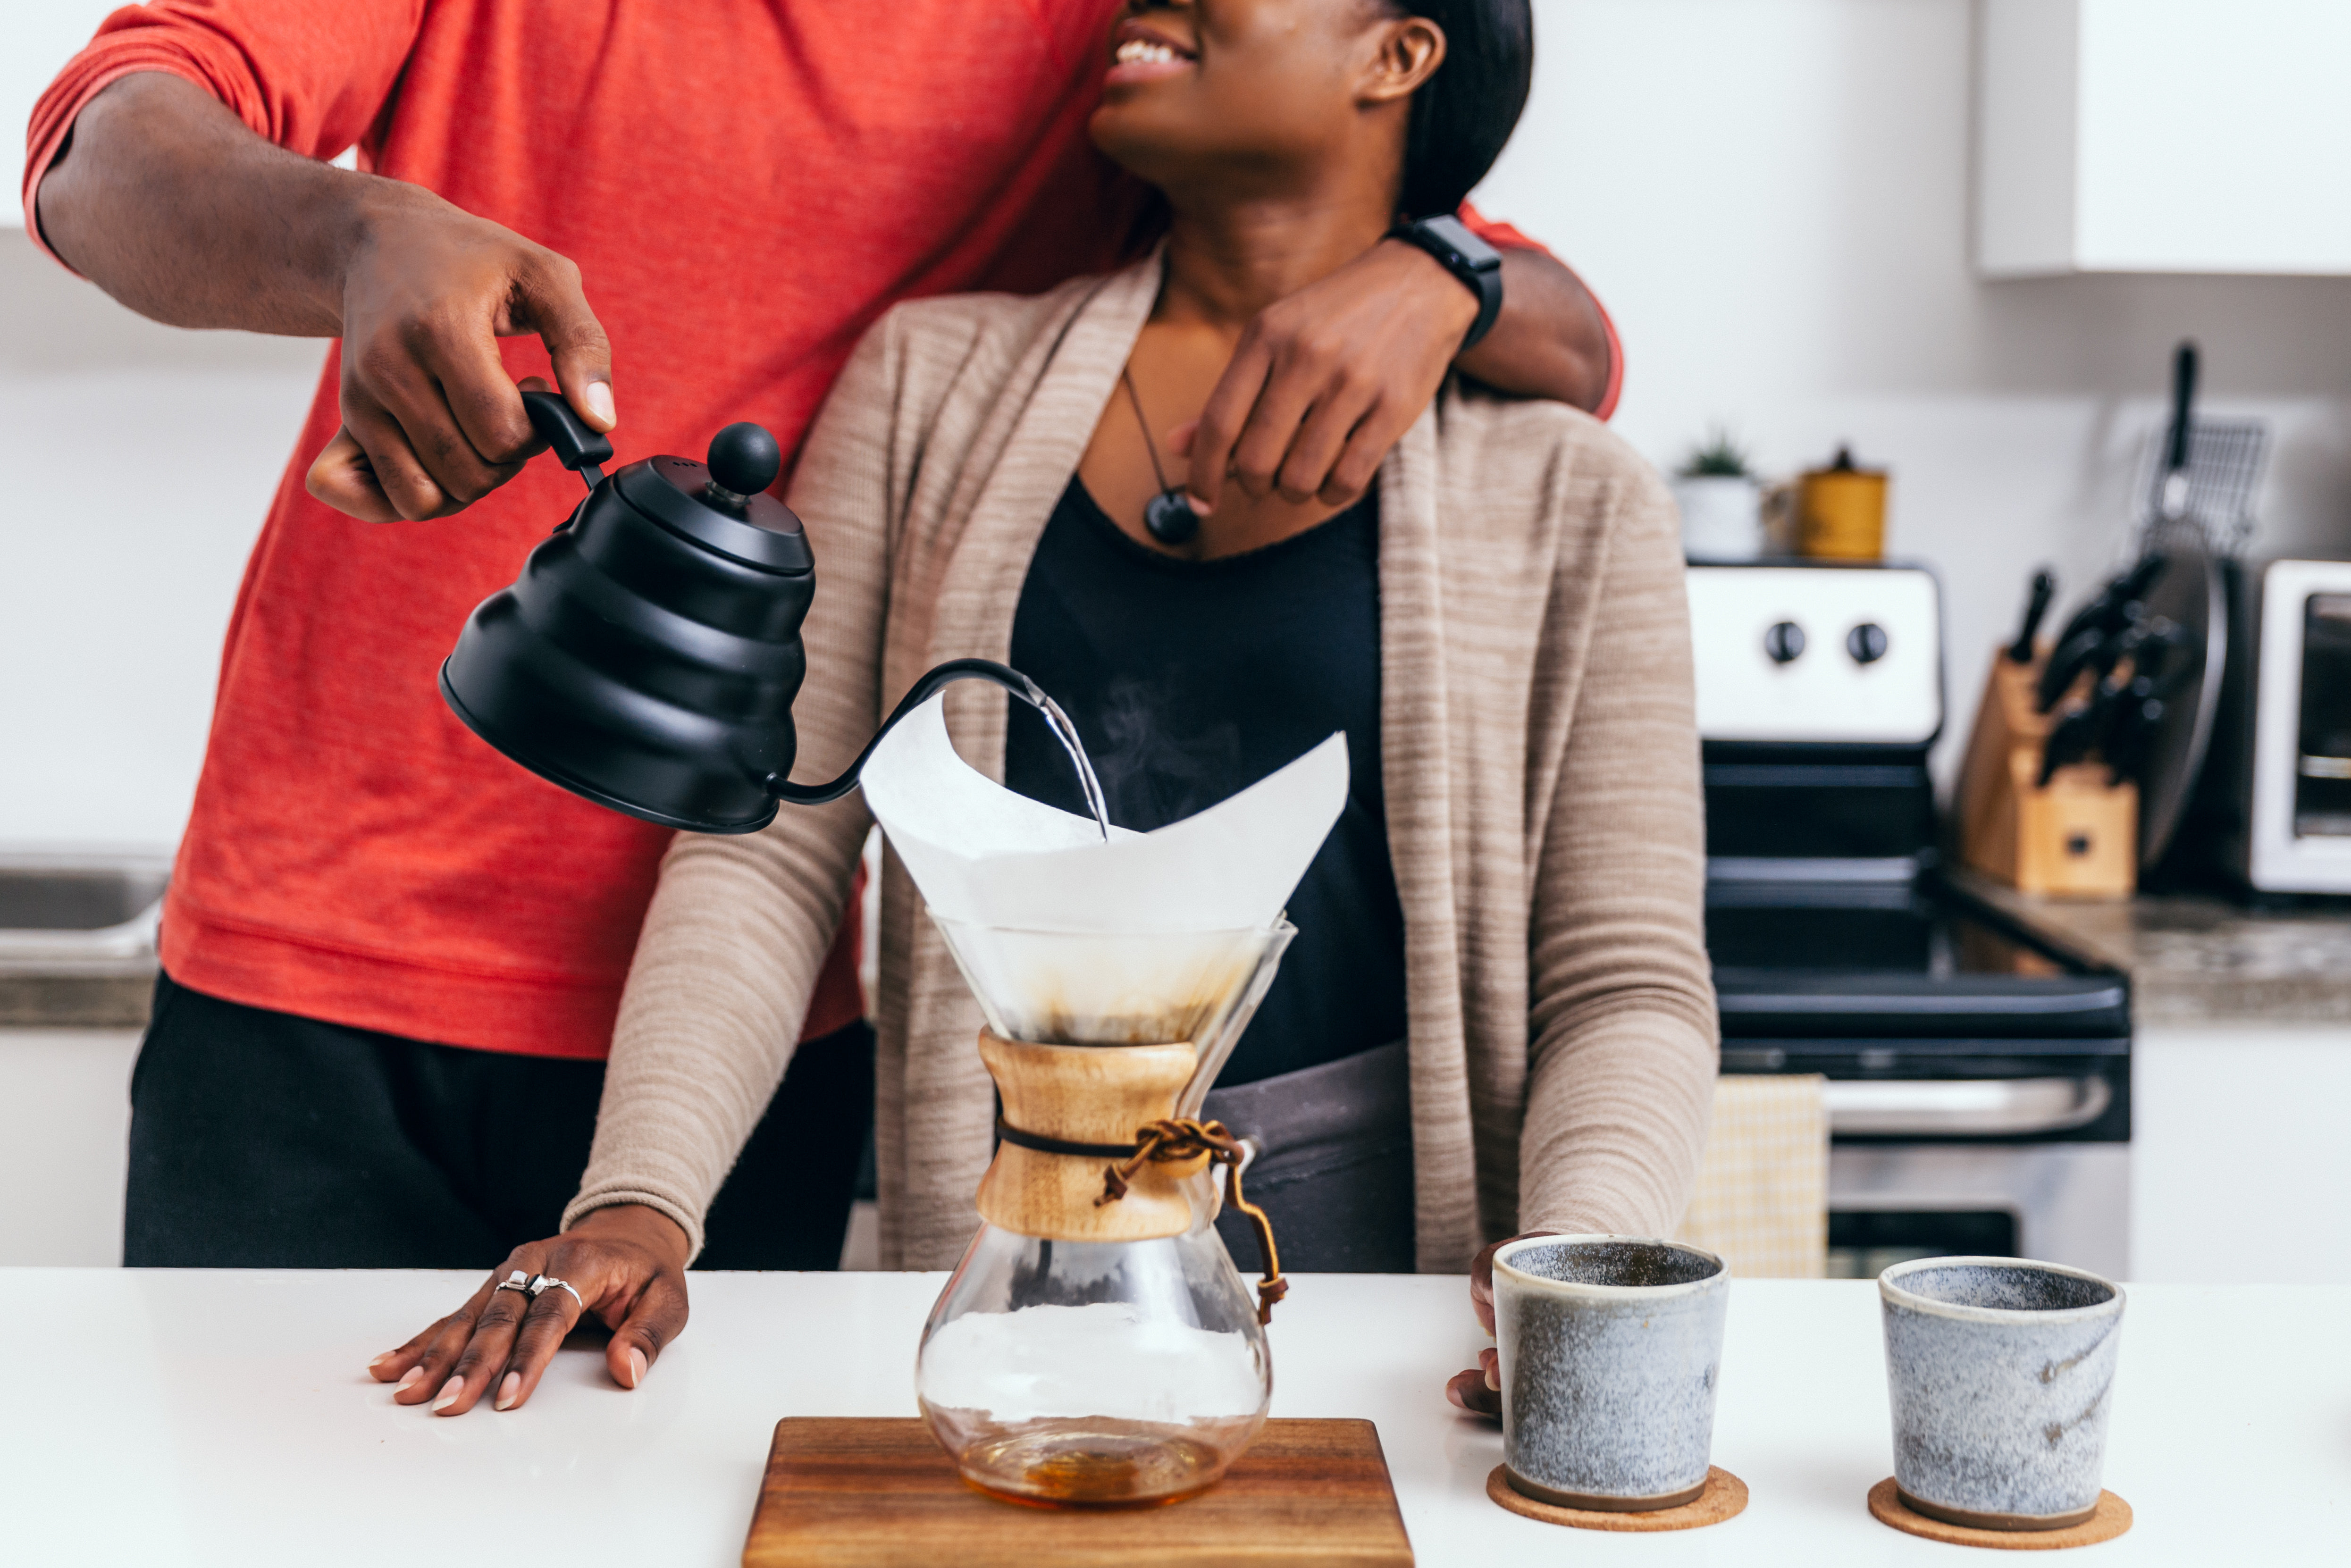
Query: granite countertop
2194,960
2191,959
115,995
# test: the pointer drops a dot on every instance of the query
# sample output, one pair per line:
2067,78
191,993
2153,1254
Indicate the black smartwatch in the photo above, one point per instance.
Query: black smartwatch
1478,264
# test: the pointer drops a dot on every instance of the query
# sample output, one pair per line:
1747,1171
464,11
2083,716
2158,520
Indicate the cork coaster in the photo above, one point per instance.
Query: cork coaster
1724,1497
2113,1517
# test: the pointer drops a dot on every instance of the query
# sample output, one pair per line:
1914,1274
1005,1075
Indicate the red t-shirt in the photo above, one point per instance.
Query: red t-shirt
746,186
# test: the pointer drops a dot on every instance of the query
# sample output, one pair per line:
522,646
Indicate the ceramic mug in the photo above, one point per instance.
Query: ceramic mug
2002,1372
1610,1351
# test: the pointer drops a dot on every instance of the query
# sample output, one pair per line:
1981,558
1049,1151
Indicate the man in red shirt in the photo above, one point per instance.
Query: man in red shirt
391,958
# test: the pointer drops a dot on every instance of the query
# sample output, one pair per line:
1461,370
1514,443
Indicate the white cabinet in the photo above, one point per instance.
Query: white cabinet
2240,1170
2206,136
65,1132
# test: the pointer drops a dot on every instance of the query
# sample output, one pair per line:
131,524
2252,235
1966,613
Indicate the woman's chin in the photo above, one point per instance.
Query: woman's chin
1139,137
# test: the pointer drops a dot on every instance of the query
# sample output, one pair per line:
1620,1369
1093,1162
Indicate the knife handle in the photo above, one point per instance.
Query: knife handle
2183,402
2044,589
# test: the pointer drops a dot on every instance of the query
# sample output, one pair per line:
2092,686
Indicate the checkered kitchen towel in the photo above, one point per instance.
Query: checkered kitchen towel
1763,1198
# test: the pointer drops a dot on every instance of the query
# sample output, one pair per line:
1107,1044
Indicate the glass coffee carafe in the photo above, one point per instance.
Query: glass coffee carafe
1096,1346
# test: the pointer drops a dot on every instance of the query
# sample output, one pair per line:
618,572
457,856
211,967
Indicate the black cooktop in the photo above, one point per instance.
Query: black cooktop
1908,961
1898,980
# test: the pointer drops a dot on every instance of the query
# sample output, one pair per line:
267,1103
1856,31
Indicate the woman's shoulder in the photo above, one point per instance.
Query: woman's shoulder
1524,463
1498,442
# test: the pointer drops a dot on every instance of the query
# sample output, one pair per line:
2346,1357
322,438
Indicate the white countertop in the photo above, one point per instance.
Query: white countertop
166,1417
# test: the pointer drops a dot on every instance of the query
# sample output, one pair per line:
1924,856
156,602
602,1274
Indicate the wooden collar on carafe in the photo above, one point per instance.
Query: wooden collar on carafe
1035,1081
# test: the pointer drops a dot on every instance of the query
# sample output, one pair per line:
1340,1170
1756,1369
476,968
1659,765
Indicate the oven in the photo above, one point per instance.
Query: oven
1979,1083
1978,1079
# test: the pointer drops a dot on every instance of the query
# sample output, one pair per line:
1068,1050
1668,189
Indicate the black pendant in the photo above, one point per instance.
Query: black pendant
1170,520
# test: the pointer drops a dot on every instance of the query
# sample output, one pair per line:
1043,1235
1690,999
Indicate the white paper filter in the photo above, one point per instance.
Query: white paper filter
1068,940
984,855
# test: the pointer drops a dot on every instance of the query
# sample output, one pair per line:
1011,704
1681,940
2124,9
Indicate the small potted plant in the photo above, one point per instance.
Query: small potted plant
1721,502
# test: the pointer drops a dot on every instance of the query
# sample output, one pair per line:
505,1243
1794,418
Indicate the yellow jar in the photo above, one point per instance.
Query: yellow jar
1841,511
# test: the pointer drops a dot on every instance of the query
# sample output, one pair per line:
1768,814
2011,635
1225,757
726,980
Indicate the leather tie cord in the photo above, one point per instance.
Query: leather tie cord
1169,1142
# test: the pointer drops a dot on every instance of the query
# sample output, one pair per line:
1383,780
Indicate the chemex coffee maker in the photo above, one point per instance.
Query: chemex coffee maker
648,656
1096,1346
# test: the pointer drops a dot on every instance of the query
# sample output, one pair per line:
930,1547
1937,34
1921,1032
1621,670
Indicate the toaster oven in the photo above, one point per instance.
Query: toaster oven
2301,783
2272,808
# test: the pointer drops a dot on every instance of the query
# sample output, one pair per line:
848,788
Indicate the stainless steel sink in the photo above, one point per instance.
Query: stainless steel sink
63,914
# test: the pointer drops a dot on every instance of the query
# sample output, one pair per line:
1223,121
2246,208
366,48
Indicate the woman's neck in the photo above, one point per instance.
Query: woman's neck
1228,261
1227,258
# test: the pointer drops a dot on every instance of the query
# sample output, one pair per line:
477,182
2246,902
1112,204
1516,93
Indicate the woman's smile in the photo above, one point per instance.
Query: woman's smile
1141,53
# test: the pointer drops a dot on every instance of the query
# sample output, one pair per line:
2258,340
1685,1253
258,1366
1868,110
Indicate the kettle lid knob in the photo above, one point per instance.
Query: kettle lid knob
745,458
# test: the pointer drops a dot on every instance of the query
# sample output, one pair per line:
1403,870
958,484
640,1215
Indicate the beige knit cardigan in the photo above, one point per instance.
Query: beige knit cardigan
1538,753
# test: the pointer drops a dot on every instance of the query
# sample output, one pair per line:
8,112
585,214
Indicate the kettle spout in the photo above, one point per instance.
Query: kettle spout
922,690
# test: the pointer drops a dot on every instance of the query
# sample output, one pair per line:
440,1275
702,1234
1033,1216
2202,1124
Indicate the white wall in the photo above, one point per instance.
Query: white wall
36,37
1773,195
137,461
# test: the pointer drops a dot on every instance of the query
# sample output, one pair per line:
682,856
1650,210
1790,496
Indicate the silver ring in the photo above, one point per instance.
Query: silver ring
518,1280
541,1282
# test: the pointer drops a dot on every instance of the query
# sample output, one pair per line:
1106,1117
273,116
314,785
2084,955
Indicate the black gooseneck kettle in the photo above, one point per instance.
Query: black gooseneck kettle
648,656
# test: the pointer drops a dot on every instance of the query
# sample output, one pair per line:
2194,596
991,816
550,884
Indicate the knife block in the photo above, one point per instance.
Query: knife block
2076,837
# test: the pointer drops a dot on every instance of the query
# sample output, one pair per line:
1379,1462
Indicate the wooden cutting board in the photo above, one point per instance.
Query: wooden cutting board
884,1494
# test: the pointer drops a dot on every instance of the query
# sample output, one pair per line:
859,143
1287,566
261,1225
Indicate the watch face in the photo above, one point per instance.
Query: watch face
1459,247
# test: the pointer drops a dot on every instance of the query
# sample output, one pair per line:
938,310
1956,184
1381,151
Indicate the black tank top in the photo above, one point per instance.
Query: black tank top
1190,681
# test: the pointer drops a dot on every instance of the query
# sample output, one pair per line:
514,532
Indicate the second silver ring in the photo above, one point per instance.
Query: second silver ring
542,1282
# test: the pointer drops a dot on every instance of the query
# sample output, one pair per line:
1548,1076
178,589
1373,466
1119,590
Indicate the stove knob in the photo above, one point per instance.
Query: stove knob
1867,642
1784,643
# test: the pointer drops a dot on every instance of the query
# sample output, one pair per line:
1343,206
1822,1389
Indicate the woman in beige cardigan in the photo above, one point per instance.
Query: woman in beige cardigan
1527,677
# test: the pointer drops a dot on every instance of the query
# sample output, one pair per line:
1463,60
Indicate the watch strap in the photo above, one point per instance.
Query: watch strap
1478,264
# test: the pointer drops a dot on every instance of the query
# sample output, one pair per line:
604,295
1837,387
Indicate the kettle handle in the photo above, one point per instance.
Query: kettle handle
577,447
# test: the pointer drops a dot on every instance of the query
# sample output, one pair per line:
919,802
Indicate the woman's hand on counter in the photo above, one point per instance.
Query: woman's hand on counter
1478,1390
628,1263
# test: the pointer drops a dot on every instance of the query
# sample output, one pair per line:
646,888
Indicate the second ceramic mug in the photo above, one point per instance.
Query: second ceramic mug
1611,1349
2001,1372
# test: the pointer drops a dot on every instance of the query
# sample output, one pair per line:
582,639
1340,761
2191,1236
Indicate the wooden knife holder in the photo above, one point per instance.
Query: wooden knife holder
2075,837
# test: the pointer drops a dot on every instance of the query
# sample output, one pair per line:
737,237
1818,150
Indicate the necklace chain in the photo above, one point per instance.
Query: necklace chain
1151,447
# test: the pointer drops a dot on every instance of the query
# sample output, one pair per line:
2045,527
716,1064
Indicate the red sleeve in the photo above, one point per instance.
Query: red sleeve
1502,235
309,75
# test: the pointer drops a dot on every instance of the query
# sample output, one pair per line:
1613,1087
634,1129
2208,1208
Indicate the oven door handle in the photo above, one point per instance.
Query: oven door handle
1961,1108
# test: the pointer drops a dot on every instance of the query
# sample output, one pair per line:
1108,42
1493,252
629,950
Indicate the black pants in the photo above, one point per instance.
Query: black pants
262,1140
